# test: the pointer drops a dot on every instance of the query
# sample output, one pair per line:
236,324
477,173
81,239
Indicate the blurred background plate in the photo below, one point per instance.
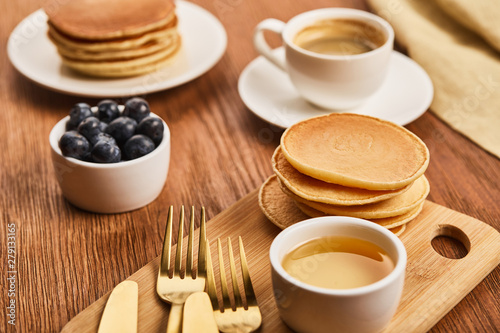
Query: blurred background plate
267,91
204,41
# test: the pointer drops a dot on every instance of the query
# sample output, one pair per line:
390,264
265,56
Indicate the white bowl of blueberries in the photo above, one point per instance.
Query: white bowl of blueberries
111,158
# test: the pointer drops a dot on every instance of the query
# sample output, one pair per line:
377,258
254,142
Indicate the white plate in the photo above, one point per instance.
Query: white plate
267,91
204,42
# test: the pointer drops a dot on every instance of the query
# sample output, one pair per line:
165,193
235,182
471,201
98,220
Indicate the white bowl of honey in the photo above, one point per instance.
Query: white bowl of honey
337,273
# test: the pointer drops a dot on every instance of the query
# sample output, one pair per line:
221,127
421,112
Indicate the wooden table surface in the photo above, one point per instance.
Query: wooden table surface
67,258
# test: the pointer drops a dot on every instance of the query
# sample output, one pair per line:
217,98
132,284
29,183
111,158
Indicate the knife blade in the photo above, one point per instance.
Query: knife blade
198,314
120,313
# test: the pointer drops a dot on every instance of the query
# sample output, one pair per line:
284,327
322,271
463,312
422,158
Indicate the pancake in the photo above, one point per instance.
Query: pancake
281,209
97,19
114,38
124,67
147,49
316,190
388,222
355,151
118,44
394,206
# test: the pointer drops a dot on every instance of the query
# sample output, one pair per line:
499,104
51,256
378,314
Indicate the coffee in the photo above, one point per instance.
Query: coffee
340,37
338,262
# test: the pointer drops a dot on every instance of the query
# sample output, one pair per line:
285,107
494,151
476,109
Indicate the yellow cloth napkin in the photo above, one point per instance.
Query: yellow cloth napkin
463,66
480,16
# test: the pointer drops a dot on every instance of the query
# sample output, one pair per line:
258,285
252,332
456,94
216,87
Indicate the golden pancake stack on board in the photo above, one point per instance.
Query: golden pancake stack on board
348,165
114,38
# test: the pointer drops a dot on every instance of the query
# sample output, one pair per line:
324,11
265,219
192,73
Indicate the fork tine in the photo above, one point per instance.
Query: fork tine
247,282
189,259
211,289
167,240
202,247
223,283
234,281
178,254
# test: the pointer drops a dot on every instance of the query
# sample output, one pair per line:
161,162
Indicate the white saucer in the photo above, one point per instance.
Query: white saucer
268,92
204,42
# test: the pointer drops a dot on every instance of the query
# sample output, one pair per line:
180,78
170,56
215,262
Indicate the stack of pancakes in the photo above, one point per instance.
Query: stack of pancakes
349,165
114,38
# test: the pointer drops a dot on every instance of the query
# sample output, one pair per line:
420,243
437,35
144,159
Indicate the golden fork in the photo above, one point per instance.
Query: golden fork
176,288
239,319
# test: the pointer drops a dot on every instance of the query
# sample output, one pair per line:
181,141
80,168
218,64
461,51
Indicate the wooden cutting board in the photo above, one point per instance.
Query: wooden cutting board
433,286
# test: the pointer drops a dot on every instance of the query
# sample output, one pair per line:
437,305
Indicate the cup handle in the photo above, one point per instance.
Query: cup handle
261,45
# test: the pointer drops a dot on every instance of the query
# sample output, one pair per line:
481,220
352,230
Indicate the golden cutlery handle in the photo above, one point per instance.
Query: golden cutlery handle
175,319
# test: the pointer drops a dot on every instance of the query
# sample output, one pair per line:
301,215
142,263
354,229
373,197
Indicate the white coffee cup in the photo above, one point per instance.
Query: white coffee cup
307,308
329,81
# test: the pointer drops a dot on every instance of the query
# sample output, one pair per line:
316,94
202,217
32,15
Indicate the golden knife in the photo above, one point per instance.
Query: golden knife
198,314
120,313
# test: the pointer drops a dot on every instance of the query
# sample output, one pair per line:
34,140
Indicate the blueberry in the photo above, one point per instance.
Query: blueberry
87,157
89,127
122,128
107,110
77,113
137,146
152,127
73,144
106,152
102,137
103,126
136,108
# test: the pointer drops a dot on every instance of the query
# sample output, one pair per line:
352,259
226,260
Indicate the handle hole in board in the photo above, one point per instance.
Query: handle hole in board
450,242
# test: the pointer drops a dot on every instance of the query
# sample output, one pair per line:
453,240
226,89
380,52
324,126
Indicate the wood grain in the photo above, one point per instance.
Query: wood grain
433,284
66,258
